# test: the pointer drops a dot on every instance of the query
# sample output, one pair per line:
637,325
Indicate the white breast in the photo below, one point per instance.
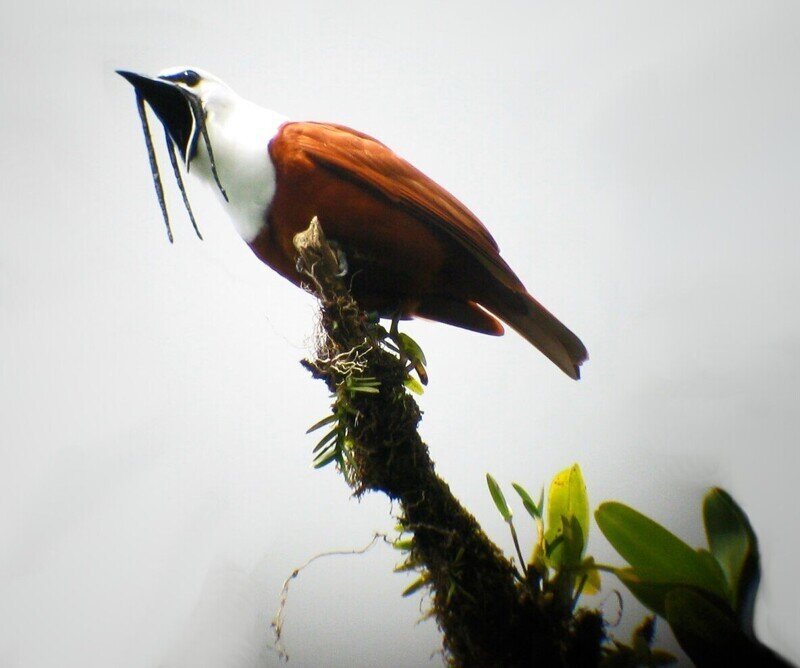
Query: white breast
240,132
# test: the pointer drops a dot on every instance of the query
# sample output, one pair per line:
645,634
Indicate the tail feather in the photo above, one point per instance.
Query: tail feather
541,328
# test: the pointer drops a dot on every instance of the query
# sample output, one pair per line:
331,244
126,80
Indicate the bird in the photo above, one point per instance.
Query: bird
412,249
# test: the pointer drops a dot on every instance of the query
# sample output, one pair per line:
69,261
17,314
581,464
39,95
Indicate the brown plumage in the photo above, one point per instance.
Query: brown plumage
411,246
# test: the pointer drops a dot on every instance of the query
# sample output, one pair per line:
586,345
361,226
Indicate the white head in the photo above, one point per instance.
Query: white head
208,88
199,111
183,98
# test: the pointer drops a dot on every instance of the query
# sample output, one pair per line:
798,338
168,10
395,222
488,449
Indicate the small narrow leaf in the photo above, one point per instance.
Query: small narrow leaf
330,436
593,582
527,501
366,389
405,567
326,458
415,586
499,499
322,423
414,385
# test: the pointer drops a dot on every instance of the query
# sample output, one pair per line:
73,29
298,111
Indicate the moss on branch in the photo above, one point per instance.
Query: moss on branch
487,614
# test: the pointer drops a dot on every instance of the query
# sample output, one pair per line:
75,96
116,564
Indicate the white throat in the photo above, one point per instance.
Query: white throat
240,132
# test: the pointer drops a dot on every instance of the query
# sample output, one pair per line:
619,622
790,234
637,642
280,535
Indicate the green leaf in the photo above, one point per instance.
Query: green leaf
714,571
593,582
403,545
498,498
325,458
416,585
656,555
414,385
567,549
412,349
534,511
734,545
567,498
322,423
406,566
707,633
329,437
648,593
365,384
366,389
451,589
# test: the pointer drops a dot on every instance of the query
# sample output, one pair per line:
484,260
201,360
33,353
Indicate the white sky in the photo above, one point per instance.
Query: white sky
638,164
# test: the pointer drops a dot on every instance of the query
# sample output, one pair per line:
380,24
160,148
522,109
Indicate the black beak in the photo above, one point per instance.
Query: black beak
172,106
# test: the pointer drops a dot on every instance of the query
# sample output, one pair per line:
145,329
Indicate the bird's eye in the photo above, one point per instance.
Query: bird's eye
188,77
191,78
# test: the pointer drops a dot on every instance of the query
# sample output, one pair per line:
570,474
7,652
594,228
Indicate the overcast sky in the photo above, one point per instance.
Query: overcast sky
637,163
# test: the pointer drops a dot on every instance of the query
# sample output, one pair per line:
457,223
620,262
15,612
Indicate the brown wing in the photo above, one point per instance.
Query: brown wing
310,152
363,160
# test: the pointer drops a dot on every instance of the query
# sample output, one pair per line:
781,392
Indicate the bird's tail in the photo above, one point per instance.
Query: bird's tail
541,328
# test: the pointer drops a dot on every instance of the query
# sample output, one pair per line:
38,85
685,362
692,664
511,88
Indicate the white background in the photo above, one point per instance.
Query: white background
636,161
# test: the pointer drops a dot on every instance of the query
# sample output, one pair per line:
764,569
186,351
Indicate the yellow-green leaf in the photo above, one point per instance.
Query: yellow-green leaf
414,385
567,498
411,348
593,583
415,586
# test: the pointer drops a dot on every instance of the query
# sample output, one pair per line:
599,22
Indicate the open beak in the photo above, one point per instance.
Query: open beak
173,107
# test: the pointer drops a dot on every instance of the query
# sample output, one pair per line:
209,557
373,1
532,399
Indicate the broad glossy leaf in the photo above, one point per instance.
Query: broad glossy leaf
734,545
715,572
707,633
567,498
655,553
650,594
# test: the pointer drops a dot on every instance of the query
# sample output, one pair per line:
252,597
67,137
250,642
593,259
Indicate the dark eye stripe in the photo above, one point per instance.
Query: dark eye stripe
189,77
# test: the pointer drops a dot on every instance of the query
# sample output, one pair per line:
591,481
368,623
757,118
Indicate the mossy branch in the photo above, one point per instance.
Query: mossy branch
488,615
